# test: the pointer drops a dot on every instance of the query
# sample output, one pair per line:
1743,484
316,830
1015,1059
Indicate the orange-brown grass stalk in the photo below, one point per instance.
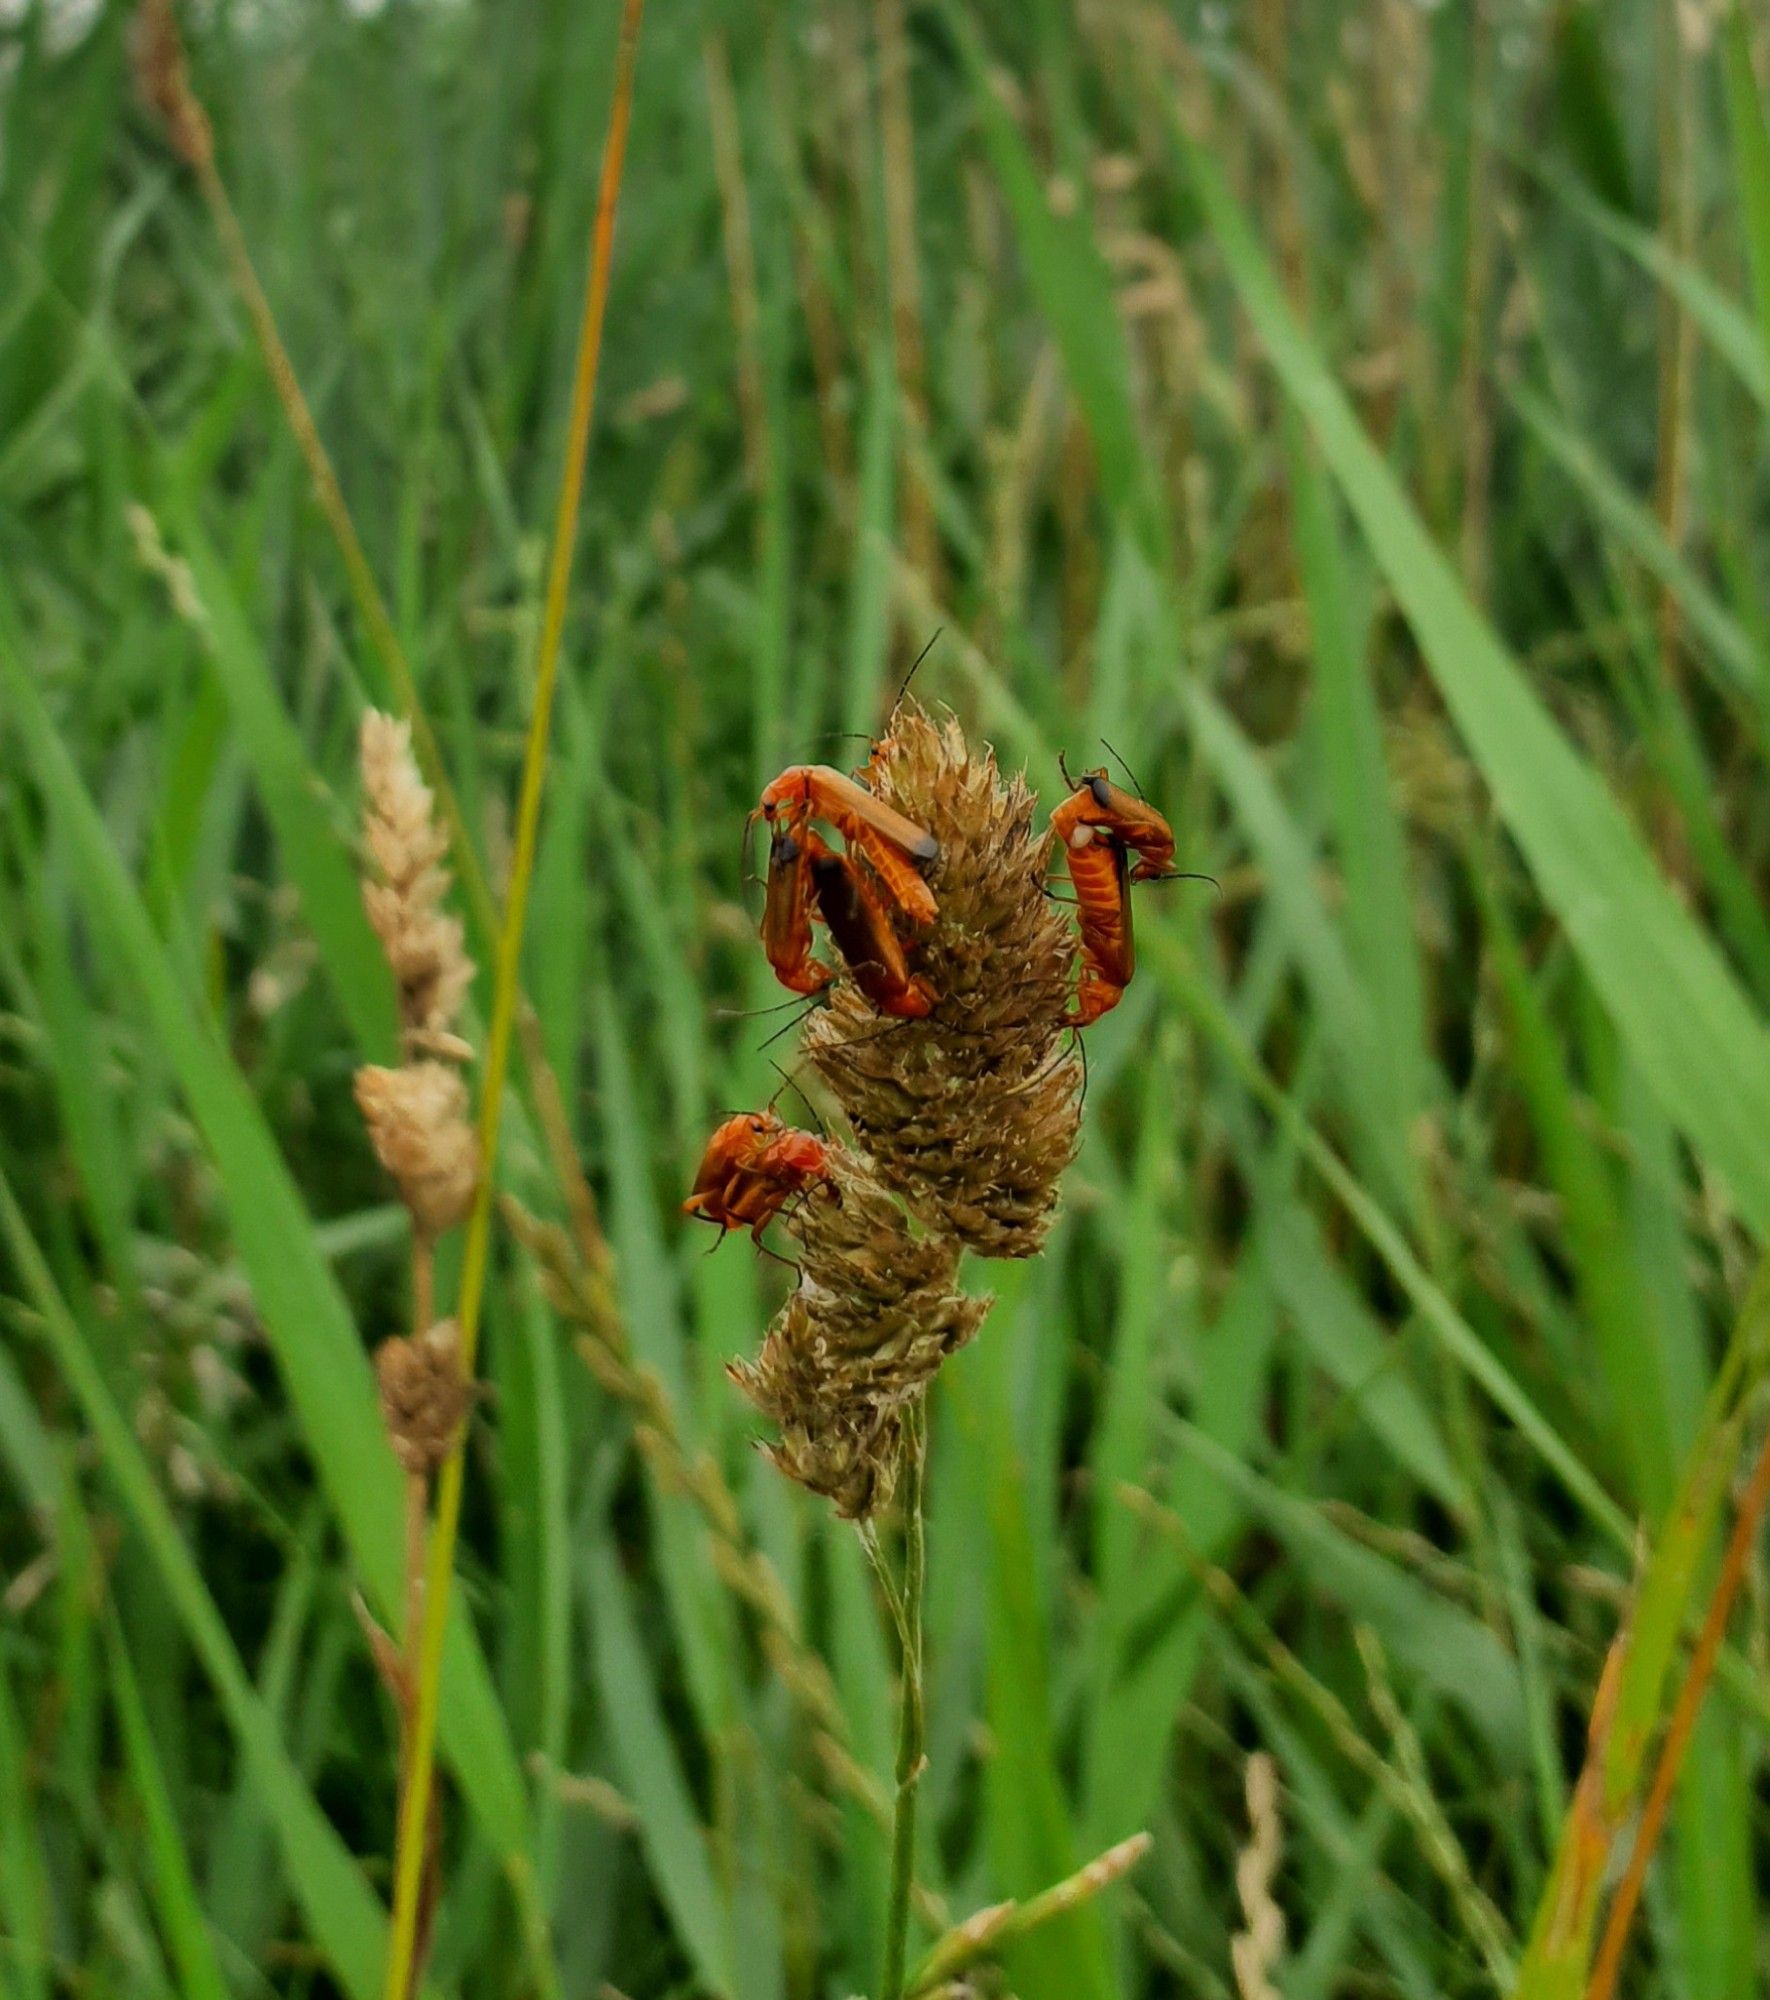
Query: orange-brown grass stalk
1679,1729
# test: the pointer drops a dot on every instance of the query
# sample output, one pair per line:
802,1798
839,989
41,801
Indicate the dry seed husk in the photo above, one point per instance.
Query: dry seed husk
963,1124
424,1396
873,1316
972,1114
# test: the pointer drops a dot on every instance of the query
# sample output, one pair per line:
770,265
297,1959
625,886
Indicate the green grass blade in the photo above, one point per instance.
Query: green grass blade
1074,289
1368,1081
180,1911
1728,644
321,1355
1696,1038
1372,843
1031,1840
1437,1312
343,1917
25,1964
647,1765
1447,1647
316,859
1559,1952
1730,329
1751,159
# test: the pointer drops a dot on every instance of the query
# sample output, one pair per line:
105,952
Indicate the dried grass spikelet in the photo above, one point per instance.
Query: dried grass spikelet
424,1396
161,78
972,1114
1255,1952
423,943
417,1120
873,1316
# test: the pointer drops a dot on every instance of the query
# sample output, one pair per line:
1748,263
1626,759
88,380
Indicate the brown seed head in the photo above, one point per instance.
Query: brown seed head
417,1120
424,944
966,1119
164,83
423,1394
874,1315
972,1114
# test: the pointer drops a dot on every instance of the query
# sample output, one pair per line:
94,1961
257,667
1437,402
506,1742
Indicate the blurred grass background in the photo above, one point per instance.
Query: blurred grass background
1355,412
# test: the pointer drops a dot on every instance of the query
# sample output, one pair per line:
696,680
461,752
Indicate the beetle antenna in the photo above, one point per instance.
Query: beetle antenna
1064,768
1136,782
745,865
789,1082
758,1013
1184,875
915,666
776,1255
786,1029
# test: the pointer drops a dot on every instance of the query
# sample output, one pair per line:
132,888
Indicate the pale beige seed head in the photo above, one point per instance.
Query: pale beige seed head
1256,1951
405,895
972,1114
417,1120
424,1395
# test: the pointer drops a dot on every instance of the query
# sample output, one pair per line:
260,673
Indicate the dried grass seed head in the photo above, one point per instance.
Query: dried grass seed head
163,80
972,1114
873,1316
406,846
424,1396
417,1120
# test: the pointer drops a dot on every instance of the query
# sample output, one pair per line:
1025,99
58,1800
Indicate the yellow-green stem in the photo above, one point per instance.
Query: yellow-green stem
415,1802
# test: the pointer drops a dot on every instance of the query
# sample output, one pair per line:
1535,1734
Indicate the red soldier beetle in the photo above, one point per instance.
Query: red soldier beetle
1094,800
1097,866
861,931
786,914
1099,825
754,1164
893,845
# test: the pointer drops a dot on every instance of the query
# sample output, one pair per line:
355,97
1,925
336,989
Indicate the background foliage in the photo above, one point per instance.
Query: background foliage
1355,413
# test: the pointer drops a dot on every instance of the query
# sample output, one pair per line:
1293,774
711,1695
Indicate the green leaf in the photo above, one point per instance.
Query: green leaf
1559,1952
180,1911
1448,1648
1751,160
1074,289
646,1761
295,797
316,1344
343,1917
1696,1038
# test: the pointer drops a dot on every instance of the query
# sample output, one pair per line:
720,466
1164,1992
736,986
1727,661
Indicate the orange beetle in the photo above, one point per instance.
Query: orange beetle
893,845
1095,801
753,1166
1097,866
786,915
861,931
1099,827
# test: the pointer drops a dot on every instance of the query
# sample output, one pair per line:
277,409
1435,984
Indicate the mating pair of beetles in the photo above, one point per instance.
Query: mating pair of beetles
755,1164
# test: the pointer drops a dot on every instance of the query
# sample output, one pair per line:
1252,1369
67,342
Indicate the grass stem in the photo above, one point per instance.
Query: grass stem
415,1802
191,137
1683,1722
911,1727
